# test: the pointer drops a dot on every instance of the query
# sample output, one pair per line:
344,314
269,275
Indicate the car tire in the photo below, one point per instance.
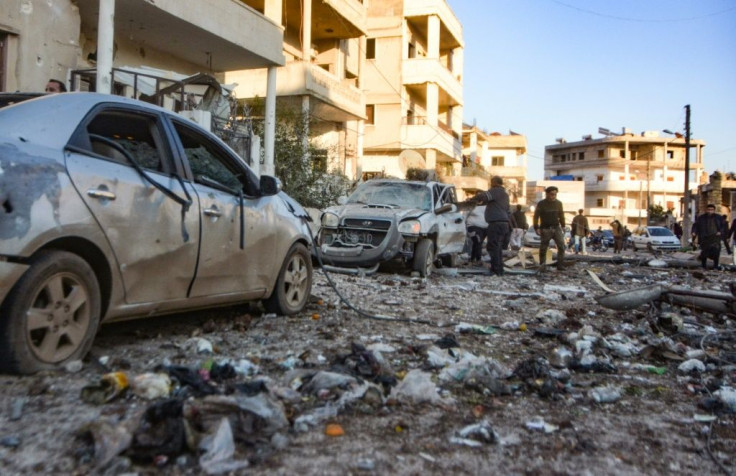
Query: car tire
633,246
423,261
51,315
294,283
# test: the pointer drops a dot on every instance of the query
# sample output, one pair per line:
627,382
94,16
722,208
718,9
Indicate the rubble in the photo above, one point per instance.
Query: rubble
528,368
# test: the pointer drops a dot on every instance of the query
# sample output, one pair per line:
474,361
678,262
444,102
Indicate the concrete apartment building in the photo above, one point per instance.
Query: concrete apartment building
413,86
624,173
324,45
52,38
488,154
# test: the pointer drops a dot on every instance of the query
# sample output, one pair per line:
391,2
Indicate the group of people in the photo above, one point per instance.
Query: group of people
492,219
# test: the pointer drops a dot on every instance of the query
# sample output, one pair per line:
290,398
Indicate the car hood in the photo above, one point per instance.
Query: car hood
360,210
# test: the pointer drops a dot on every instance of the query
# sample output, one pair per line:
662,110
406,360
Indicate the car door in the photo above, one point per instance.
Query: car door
154,237
237,223
451,226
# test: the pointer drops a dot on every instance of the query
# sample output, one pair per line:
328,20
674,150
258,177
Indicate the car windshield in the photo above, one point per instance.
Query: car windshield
405,195
660,232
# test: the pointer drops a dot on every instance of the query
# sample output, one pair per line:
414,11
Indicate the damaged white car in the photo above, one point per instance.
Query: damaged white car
111,208
415,222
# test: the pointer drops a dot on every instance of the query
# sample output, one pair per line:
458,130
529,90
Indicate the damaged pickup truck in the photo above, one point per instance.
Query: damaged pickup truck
111,208
384,220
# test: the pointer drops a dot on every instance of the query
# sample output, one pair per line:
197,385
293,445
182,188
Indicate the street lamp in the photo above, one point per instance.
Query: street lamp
686,222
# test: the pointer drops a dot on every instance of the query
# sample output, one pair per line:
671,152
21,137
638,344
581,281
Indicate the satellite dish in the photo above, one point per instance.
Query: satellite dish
411,159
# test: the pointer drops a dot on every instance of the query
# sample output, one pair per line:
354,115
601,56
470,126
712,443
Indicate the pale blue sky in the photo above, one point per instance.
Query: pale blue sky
564,68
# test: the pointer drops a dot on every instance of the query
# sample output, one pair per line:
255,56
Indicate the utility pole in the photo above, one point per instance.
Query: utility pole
686,221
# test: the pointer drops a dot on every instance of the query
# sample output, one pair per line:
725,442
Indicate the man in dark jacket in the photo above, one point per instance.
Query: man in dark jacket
707,229
549,223
497,216
580,231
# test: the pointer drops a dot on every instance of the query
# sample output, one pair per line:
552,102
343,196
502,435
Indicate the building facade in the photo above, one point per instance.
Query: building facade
625,174
413,86
324,45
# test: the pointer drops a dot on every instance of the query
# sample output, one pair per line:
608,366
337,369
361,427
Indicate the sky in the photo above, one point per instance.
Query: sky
552,69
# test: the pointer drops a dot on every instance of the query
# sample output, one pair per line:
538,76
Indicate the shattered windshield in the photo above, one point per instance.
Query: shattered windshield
404,195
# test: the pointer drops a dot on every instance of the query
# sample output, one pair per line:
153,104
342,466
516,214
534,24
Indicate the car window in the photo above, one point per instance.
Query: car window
114,133
660,232
405,195
210,164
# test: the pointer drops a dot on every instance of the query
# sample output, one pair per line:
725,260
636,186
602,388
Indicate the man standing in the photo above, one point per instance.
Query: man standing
549,222
708,228
520,227
580,231
497,217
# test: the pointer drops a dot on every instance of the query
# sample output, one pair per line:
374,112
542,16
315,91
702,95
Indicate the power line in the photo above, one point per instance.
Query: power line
643,20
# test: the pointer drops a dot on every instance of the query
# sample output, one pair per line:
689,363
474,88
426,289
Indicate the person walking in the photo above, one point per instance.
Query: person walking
708,229
477,227
520,226
732,236
549,224
618,236
725,234
496,200
580,231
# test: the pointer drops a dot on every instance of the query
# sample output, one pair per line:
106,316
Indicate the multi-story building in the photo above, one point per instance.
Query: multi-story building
626,173
324,44
488,154
414,90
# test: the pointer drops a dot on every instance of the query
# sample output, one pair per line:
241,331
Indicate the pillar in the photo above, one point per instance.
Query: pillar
105,46
433,37
269,132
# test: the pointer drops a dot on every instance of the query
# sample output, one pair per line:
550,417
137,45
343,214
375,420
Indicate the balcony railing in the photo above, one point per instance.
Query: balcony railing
423,121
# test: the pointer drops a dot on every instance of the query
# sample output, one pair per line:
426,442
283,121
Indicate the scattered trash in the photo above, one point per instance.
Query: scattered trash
417,387
475,435
109,387
219,450
333,429
607,394
538,424
692,365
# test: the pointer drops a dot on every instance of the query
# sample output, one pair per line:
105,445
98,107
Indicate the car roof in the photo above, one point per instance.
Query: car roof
51,119
414,182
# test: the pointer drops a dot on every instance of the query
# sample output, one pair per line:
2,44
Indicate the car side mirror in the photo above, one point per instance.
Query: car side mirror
447,207
342,200
269,185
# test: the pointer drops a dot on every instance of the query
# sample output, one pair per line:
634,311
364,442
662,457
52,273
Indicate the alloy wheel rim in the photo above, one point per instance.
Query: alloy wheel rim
58,318
295,281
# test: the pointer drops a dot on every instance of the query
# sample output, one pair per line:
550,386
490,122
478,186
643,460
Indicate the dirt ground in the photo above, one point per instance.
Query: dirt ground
472,374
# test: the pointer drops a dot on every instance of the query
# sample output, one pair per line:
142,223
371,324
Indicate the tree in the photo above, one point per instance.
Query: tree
304,173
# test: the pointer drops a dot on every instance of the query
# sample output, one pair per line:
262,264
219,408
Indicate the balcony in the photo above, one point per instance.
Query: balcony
416,71
332,19
633,186
451,35
335,101
417,134
223,35
510,172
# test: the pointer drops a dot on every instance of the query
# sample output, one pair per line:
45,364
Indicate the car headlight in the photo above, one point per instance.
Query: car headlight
330,220
410,227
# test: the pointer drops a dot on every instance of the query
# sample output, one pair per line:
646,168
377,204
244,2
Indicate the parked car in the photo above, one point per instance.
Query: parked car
658,237
532,239
383,220
111,208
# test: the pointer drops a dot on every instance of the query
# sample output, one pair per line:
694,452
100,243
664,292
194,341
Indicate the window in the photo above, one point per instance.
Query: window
621,204
599,178
670,205
210,165
670,154
670,178
600,153
497,161
622,177
412,50
599,202
119,135
370,48
370,113
622,153
581,155
579,178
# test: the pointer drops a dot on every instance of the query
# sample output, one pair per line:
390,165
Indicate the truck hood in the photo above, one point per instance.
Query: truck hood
385,212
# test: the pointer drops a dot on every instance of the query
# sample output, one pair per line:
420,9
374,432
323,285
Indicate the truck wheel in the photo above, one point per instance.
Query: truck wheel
51,315
423,261
449,260
294,283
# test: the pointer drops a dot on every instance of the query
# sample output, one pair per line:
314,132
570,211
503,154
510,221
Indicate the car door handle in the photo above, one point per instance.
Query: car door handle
97,193
212,212
458,220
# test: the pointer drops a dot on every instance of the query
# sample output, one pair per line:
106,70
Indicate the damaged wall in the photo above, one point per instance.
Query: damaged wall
44,42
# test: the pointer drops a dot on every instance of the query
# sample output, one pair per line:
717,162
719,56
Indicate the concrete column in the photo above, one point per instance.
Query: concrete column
359,150
307,31
473,146
430,158
269,133
273,10
305,129
105,46
433,103
433,36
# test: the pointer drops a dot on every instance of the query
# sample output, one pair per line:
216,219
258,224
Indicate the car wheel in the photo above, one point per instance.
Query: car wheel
293,284
633,246
423,261
51,315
